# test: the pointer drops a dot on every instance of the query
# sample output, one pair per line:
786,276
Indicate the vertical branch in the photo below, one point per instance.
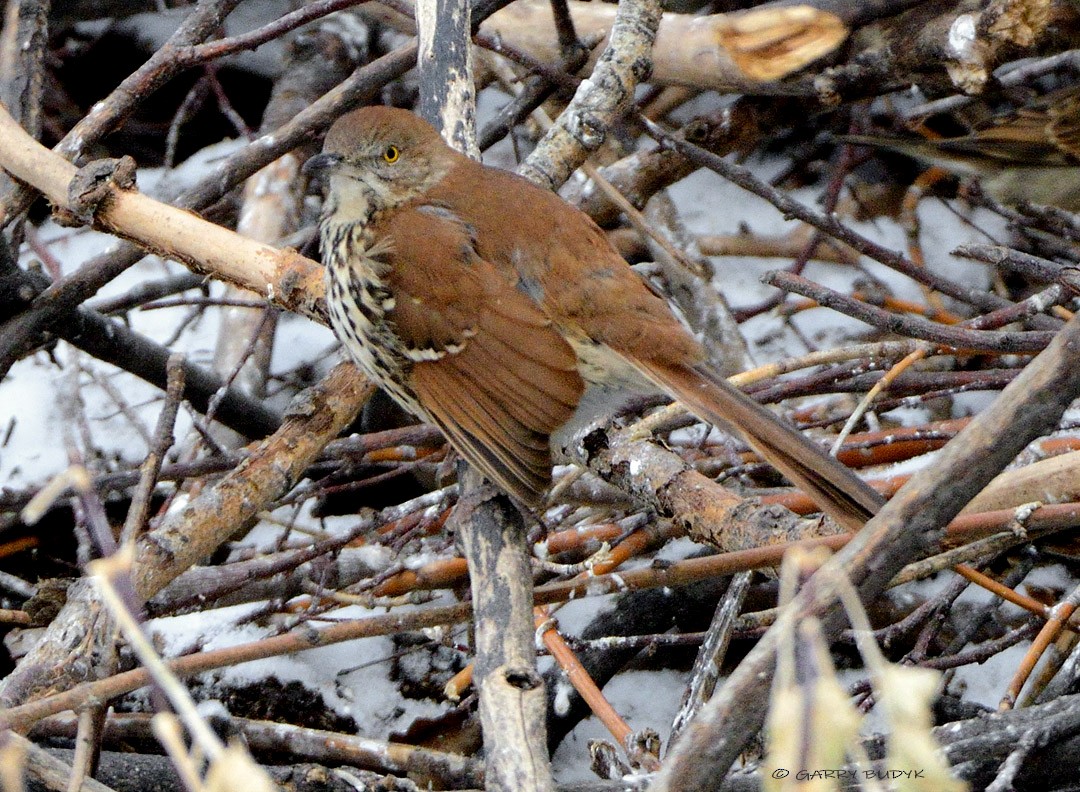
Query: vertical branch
492,534
447,92
22,55
23,44
512,700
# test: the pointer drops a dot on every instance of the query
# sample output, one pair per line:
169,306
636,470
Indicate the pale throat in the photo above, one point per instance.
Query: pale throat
349,201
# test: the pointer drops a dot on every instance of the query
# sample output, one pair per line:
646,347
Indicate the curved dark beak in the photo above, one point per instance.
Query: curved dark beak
320,163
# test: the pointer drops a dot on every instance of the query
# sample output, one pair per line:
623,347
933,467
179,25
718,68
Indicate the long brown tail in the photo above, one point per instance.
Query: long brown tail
834,488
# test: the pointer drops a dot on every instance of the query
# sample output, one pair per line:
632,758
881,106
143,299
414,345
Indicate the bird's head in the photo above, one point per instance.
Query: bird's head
376,158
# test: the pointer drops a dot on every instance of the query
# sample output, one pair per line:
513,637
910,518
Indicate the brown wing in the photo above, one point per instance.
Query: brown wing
488,367
566,264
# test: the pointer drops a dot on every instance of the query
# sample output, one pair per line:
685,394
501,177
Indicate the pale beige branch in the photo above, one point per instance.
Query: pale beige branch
272,203
282,276
790,245
725,52
1053,480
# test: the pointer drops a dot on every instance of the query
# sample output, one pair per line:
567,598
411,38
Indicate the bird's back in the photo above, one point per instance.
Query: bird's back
563,263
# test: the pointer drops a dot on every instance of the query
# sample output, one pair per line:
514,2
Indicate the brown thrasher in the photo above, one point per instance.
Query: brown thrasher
485,305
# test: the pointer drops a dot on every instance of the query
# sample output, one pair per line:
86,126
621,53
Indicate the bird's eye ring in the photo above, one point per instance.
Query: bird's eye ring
391,154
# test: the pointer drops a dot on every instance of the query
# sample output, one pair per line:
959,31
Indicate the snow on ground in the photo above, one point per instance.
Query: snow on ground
655,710
351,676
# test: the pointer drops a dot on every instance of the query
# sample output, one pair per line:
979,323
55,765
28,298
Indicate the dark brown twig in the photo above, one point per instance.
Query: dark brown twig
150,469
911,326
827,224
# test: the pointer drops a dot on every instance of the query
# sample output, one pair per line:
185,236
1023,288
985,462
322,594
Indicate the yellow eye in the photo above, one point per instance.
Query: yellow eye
391,154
